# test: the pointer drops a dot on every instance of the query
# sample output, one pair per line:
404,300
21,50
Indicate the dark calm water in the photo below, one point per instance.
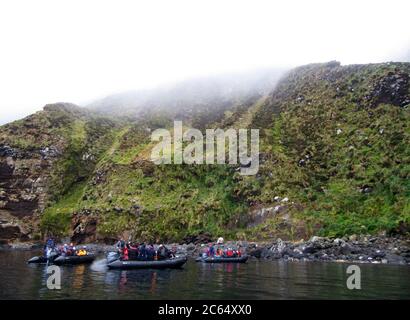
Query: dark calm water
253,280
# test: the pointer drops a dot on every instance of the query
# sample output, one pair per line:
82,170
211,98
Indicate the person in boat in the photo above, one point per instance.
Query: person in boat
142,251
174,251
48,252
82,251
49,247
211,250
125,255
219,252
50,243
70,250
203,253
132,251
150,252
120,245
163,252
67,250
229,253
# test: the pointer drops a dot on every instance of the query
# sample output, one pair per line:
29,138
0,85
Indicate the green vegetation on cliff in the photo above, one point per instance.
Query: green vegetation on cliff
339,147
335,160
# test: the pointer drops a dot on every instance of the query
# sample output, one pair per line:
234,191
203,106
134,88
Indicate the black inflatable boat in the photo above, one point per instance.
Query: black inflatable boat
176,262
241,259
74,259
42,259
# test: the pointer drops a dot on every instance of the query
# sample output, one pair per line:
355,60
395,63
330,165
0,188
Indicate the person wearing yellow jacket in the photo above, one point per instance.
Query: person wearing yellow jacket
82,252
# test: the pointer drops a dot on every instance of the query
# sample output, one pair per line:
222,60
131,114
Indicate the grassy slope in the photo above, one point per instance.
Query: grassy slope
325,115
163,202
127,192
354,177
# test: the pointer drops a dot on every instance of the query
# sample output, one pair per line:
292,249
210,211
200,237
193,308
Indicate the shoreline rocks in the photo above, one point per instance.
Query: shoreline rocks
354,249
394,250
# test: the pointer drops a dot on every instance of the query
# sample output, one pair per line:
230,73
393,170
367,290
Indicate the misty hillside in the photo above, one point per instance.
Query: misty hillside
335,160
198,101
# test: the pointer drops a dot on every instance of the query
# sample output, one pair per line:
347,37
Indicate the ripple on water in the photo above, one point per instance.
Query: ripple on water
253,280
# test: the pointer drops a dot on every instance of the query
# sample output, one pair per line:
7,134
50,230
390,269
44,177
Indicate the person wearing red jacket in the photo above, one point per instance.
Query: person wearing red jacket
125,253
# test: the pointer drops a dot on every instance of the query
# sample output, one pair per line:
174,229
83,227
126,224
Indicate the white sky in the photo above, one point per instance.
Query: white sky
79,50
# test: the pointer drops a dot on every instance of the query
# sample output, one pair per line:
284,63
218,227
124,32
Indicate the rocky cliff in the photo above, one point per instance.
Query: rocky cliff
335,161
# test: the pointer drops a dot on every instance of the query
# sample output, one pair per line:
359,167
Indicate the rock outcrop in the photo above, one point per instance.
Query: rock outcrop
24,179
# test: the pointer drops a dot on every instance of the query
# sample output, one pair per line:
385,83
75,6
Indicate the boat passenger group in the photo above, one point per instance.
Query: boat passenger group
51,248
142,251
219,251
148,252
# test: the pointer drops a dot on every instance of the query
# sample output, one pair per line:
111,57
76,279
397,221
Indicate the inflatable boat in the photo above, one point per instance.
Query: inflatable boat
74,259
42,259
176,262
241,259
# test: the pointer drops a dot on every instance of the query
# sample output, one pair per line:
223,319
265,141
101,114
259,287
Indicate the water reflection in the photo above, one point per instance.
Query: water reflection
123,280
153,282
128,281
78,281
253,280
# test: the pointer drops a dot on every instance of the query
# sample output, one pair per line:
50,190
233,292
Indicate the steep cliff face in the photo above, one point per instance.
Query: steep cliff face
336,140
335,160
34,153
27,152
23,177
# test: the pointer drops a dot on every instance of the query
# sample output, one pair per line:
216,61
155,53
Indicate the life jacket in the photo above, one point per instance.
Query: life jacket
125,251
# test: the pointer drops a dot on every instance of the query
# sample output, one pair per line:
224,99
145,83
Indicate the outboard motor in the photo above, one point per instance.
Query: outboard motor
112,256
